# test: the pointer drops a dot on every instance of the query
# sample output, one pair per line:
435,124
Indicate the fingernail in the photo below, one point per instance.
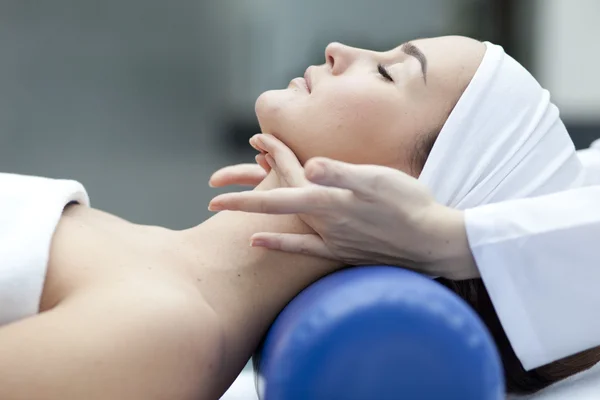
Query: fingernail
255,144
316,172
260,142
215,207
257,243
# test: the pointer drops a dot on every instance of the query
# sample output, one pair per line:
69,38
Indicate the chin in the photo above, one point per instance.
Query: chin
270,109
263,103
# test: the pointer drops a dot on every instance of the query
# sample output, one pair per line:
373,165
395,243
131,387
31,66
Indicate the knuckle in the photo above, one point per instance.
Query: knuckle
262,207
230,200
282,244
320,198
303,248
334,173
277,241
379,183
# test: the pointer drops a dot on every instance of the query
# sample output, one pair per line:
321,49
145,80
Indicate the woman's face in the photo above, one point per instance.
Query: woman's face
368,107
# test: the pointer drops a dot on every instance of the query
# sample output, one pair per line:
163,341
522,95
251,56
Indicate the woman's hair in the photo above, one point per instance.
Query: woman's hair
518,380
473,291
421,151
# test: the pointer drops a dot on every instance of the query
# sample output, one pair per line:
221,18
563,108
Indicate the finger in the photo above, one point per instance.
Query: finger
255,145
260,160
272,164
311,245
358,178
288,166
275,201
241,174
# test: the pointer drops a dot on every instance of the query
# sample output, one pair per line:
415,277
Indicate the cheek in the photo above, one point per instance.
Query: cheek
295,119
352,121
358,123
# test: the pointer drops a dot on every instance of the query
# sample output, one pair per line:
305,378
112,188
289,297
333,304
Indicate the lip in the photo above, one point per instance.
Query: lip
301,83
307,78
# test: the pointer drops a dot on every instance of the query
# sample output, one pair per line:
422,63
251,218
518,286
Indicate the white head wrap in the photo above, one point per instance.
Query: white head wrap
504,139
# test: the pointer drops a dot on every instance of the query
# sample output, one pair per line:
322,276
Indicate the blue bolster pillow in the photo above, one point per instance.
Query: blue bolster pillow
378,333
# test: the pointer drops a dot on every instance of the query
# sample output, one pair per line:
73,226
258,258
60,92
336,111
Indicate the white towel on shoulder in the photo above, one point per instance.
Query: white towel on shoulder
30,208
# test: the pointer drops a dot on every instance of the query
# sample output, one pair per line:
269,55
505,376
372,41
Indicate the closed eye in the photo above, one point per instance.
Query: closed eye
384,72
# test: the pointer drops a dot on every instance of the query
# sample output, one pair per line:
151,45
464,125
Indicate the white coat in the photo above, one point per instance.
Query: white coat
540,261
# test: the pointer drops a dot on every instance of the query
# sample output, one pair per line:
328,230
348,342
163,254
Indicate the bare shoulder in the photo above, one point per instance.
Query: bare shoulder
118,320
91,246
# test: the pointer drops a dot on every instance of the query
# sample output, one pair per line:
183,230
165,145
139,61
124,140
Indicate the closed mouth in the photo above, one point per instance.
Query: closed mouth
308,80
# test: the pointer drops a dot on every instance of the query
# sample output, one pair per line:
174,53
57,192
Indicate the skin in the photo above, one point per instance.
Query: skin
141,312
354,114
417,232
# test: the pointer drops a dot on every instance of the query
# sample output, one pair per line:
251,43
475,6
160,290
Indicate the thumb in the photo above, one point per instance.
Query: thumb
306,244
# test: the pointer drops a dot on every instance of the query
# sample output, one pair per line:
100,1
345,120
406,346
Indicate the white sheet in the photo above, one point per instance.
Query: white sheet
242,388
583,386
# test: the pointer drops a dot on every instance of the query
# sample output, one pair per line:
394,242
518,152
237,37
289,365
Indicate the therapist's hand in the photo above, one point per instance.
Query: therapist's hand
241,174
361,214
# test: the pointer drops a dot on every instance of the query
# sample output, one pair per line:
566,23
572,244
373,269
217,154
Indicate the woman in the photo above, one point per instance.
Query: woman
529,155
142,312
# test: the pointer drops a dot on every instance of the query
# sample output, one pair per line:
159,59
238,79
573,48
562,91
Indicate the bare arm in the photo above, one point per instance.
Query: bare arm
116,323
111,343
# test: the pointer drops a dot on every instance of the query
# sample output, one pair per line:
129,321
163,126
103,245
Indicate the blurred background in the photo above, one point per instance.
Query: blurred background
141,100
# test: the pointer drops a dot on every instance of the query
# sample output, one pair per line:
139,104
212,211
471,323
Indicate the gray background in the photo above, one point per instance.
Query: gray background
136,98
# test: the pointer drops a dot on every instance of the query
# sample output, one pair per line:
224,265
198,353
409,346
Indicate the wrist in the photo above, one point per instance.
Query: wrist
452,257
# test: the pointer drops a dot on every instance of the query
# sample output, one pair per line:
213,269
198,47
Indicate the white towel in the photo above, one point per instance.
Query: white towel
503,140
30,208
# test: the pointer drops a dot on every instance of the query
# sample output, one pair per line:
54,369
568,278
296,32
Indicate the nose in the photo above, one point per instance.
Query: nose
339,57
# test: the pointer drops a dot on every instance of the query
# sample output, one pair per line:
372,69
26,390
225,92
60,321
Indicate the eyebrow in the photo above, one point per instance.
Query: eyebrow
411,50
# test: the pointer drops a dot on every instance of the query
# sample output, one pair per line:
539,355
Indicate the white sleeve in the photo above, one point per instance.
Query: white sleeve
30,208
540,261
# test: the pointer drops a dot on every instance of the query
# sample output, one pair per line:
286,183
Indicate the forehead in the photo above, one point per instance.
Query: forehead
451,57
451,64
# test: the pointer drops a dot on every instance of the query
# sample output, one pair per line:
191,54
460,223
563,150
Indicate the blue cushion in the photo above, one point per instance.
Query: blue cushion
378,333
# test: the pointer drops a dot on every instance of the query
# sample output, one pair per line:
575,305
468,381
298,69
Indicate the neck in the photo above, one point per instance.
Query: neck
221,246
247,287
